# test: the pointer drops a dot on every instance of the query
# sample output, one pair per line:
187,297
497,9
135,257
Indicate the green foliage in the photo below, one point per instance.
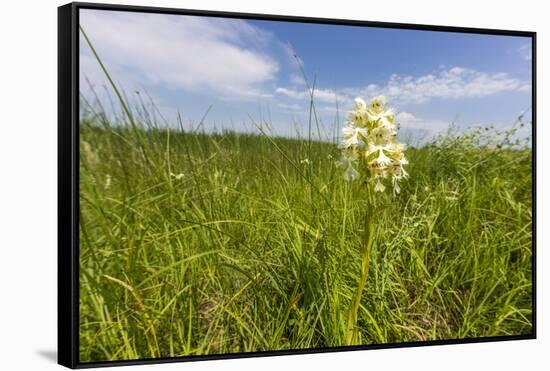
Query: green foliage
202,244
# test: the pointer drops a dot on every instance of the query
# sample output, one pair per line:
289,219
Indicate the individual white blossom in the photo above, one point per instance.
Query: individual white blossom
353,136
360,103
348,159
379,187
179,176
370,144
350,173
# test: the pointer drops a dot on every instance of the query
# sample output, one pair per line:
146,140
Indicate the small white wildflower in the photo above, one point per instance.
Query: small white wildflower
305,161
348,160
350,173
396,187
345,161
399,173
378,103
382,160
179,176
353,135
360,103
349,154
379,187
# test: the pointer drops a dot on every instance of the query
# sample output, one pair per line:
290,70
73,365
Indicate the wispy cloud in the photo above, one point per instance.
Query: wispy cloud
525,52
297,80
323,95
292,107
182,52
189,63
417,130
453,83
409,121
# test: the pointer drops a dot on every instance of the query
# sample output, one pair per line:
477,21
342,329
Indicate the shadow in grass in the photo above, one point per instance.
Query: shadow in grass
50,355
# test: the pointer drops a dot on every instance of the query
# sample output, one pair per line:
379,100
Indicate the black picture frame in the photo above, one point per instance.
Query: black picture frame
68,180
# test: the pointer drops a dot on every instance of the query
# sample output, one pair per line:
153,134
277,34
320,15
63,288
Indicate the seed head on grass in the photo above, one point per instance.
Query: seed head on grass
370,142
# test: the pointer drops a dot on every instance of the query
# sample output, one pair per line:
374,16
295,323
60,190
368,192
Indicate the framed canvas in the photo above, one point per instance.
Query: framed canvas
238,185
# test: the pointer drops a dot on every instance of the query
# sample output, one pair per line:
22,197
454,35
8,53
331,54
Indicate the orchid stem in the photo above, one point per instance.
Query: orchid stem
352,336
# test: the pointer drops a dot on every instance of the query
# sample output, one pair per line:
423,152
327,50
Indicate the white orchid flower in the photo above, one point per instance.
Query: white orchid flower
352,135
382,160
372,133
379,187
360,103
396,188
350,173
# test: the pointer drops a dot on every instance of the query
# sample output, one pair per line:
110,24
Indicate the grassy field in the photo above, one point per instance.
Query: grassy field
194,243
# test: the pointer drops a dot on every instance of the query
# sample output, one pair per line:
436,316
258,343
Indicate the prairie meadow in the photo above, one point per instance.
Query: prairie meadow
199,242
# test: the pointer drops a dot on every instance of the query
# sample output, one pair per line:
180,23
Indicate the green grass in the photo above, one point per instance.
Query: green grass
253,249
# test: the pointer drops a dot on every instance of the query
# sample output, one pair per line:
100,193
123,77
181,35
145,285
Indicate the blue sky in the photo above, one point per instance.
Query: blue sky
246,70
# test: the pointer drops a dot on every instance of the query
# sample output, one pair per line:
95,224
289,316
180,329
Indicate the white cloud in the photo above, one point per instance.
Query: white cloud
453,83
292,55
446,83
291,107
182,52
323,95
297,80
297,94
409,121
525,52
331,109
